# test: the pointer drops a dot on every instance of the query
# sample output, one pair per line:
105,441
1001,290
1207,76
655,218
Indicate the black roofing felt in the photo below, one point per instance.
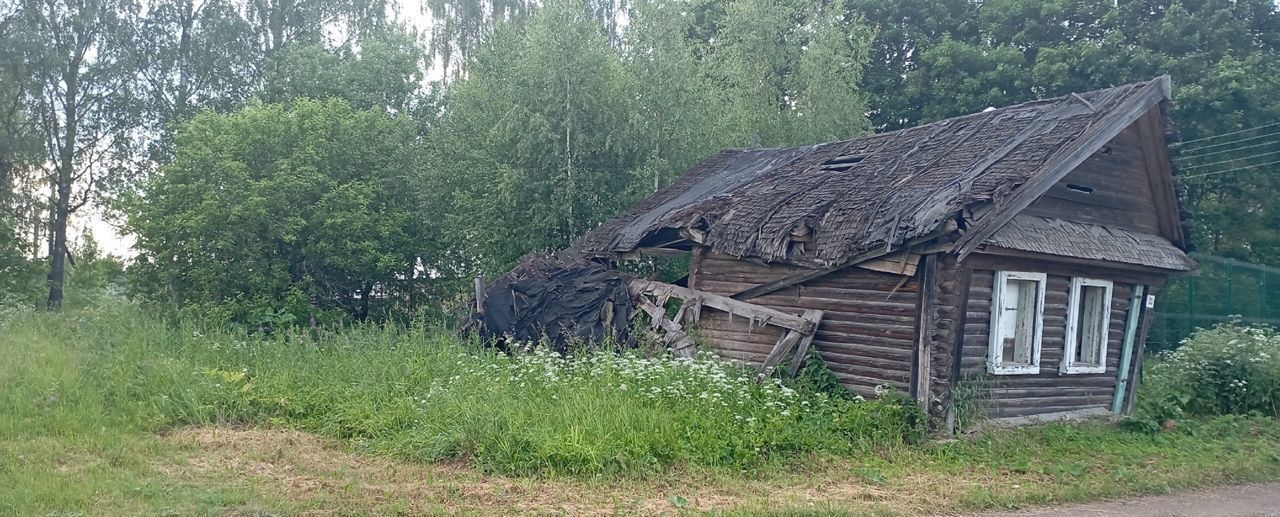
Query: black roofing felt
874,191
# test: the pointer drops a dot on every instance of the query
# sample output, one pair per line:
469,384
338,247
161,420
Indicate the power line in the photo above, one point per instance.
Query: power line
1233,149
1185,142
1229,160
1229,170
1233,142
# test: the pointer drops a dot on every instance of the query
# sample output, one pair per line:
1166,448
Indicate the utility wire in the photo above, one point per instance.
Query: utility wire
1233,142
1198,156
1184,142
1229,160
1233,169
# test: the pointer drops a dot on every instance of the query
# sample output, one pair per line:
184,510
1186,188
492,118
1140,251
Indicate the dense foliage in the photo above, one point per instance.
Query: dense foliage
939,59
548,117
1230,369
553,130
282,214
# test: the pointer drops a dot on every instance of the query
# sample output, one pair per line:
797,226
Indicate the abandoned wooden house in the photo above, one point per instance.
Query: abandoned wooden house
1015,252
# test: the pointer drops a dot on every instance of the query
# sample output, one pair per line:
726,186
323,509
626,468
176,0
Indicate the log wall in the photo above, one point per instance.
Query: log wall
1048,391
867,333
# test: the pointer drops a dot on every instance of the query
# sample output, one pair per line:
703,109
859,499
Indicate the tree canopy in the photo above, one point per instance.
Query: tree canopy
306,159
294,212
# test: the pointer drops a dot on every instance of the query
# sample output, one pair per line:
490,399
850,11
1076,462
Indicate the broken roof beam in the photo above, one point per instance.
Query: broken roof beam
813,274
757,313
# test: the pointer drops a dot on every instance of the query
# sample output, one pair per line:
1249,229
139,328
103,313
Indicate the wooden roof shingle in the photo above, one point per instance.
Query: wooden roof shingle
822,205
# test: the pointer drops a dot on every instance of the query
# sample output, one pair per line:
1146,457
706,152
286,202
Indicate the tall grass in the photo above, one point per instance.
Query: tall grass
420,393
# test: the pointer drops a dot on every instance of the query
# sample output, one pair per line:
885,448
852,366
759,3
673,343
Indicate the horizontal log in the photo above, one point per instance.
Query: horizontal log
1035,410
860,290
750,357
1051,401
1050,391
852,278
1047,380
855,330
850,380
834,355
722,336
879,375
850,340
852,352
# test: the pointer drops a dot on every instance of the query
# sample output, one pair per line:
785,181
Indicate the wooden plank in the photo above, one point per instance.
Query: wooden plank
1126,354
680,342
962,310
1053,401
659,251
696,267
480,298
802,349
764,315
785,343
1141,352
1074,415
1160,175
1063,162
812,274
920,368
897,264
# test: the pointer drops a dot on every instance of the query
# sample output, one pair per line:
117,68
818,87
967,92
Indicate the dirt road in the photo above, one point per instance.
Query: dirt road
1239,501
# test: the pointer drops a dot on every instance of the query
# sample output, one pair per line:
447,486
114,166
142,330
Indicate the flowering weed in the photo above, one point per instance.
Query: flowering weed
1228,369
423,394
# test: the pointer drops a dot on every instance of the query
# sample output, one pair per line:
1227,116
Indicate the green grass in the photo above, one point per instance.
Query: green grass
97,409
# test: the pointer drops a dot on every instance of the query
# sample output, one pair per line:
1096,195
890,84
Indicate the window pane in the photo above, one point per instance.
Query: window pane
1090,321
1018,321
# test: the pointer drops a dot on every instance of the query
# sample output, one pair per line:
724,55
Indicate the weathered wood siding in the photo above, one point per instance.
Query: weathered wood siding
948,297
1048,391
867,332
1120,194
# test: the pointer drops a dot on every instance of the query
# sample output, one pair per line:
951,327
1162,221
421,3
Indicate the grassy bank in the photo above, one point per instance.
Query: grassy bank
108,410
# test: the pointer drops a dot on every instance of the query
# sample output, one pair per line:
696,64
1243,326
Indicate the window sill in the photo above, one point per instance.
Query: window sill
1013,370
1076,370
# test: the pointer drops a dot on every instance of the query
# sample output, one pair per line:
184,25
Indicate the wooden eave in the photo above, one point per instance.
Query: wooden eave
1145,103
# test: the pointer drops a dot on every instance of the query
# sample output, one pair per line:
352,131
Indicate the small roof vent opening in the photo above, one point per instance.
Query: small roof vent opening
842,163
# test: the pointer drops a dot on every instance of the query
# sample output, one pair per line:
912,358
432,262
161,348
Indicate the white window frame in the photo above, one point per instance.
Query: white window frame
995,348
1068,365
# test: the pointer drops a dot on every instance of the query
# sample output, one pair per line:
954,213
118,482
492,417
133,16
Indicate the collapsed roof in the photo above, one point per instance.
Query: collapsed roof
828,204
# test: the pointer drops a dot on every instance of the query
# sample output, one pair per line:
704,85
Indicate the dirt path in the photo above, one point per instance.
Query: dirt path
1239,501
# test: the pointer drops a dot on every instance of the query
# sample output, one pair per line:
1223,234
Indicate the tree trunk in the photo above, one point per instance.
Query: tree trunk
62,205
58,255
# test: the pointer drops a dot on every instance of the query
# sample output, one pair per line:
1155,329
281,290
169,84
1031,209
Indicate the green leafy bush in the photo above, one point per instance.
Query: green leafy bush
1228,369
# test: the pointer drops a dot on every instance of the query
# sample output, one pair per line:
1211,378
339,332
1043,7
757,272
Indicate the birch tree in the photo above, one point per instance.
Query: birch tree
82,105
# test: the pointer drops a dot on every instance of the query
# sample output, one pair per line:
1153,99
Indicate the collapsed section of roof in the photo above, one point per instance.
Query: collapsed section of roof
554,298
823,205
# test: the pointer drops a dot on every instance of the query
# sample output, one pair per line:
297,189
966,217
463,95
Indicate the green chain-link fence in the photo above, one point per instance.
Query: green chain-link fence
1224,288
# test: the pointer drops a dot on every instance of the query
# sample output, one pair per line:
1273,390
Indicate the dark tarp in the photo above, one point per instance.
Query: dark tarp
567,302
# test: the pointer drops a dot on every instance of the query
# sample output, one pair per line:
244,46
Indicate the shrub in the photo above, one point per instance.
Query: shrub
1228,369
